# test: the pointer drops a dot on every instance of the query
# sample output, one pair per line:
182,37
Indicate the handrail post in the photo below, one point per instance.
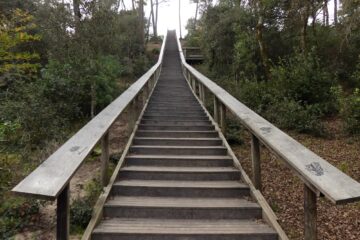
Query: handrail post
193,84
63,214
216,109
222,113
201,92
310,214
256,162
105,149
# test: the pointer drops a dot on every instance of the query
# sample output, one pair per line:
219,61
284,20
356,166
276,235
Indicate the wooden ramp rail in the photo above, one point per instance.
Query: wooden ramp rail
193,54
320,177
51,179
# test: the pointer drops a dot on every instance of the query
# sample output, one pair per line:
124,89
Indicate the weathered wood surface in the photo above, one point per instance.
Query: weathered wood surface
49,179
313,170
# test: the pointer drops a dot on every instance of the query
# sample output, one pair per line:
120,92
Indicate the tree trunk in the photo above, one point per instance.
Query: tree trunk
335,12
180,19
156,14
326,13
93,99
76,9
263,51
153,18
133,4
304,19
141,22
196,13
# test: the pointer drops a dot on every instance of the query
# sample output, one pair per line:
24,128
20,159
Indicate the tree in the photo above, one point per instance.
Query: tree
15,63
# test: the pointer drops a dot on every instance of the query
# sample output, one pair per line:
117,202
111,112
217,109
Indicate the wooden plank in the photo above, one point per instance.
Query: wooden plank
50,178
313,170
63,215
105,153
256,164
310,214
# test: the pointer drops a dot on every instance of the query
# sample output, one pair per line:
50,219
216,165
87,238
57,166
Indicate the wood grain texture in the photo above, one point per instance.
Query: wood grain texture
317,173
48,180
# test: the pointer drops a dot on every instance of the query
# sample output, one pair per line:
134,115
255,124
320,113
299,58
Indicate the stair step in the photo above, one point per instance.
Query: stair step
177,134
179,173
181,208
176,122
177,141
166,188
178,150
179,161
175,127
169,116
180,229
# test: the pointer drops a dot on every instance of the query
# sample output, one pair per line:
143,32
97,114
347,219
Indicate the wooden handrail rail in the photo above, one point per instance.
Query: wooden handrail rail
319,176
52,176
317,173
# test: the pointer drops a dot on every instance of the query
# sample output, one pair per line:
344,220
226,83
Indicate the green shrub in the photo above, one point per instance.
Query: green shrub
234,132
351,113
81,209
289,114
80,214
302,79
16,213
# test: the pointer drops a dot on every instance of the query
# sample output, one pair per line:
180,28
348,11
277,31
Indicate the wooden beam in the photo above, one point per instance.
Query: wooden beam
63,214
310,214
222,117
216,109
105,149
256,162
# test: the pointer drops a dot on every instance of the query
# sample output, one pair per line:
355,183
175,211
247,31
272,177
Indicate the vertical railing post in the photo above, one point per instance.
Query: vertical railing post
194,84
145,94
105,153
222,113
63,214
216,109
201,91
310,214
256,162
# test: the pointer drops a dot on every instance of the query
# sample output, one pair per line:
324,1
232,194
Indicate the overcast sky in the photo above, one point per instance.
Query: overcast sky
169,14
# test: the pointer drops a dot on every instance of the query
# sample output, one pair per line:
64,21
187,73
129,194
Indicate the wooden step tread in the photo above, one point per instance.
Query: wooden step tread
183,227
179,169
185,157
181,184
172,202
178,147
177,139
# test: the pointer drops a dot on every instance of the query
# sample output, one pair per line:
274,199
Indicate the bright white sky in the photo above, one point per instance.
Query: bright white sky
169,14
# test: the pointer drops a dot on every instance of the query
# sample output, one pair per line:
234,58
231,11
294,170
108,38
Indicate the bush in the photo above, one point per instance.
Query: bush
81,209
351,113
16,213
80,214
302,79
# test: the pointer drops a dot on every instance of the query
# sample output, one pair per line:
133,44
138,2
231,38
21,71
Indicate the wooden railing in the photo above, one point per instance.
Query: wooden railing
320,178
51,179
192,54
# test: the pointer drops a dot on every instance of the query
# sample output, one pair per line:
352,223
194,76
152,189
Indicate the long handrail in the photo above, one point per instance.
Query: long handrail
50,180
318,175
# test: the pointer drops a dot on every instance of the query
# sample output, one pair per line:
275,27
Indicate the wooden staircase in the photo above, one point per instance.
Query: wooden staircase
178,180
